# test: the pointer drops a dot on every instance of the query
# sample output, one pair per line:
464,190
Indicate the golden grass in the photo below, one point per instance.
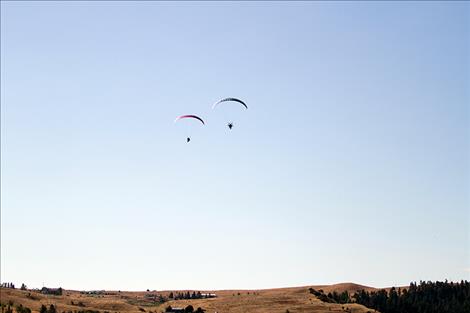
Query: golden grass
296,300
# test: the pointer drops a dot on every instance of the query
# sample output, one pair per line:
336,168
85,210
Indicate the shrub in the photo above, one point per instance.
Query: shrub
21,309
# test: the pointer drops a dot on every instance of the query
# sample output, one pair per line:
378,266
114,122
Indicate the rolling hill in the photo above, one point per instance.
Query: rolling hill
280,300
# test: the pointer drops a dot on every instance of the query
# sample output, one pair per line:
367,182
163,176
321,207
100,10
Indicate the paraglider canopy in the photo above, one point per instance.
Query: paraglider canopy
230,99
230,124
190,116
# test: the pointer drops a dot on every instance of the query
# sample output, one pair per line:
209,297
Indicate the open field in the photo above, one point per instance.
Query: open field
297,299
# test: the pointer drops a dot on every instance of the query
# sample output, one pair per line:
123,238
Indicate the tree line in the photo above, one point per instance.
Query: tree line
187,295
331,297
12,286
8,285
425,297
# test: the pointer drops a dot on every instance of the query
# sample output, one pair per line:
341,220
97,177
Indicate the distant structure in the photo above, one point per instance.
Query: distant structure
93,292
208,295
51,291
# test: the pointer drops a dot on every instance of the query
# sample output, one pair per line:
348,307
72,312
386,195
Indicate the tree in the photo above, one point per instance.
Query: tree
52,309
43,309
23,287
171,295
344,297
427,297
189,309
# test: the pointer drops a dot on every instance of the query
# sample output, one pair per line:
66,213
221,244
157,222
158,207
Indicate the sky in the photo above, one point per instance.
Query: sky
351,163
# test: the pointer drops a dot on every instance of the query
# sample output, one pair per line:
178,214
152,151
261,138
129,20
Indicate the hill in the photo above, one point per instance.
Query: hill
280,300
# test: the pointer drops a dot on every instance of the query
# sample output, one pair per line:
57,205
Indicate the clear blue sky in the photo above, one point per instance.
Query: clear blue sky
351,164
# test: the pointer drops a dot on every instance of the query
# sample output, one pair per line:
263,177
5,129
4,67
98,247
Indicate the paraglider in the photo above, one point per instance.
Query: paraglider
230,124
190,116
230,99
229,112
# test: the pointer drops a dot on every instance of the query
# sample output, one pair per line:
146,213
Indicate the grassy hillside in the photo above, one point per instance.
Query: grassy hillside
280,300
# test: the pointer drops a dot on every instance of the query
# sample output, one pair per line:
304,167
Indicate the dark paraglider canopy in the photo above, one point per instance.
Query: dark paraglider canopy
230,99
230,124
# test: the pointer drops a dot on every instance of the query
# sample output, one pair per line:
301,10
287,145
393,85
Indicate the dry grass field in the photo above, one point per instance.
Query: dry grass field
295,300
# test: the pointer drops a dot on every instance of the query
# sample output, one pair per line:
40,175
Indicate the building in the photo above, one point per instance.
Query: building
208,295
51,291
93,292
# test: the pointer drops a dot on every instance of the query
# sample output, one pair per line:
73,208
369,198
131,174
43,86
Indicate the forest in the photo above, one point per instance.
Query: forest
425,297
